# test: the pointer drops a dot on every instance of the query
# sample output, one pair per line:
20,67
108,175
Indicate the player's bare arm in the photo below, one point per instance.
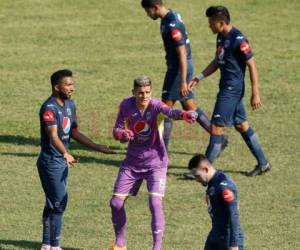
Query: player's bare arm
255,98
233,248
57,143
210,69
181,51
84,140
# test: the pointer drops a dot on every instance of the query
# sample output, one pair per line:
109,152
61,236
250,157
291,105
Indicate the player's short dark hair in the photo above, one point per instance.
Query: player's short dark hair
146,4
57,76
196,160
142,81
219,13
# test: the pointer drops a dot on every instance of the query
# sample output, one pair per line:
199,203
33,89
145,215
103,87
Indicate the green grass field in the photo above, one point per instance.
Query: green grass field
107,44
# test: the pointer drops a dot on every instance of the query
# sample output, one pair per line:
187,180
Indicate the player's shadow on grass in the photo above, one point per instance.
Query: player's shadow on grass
82,159
22,140
25,244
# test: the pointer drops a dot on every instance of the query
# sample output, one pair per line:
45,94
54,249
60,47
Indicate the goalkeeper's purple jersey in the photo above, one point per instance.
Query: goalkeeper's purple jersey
147,150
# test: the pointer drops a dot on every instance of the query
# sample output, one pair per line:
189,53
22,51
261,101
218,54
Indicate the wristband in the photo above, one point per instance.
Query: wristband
200,76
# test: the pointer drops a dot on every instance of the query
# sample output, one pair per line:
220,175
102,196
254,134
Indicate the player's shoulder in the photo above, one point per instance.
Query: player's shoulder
127,102
224,181
70,103
48,104
238,36
174,19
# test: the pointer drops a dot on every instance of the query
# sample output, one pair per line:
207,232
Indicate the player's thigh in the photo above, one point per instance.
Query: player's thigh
156,181
54,183
240,114
127,183
224,111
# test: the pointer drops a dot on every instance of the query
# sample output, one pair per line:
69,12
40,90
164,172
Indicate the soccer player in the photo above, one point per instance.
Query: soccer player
233,54
58,124
222,201
138,123
179,64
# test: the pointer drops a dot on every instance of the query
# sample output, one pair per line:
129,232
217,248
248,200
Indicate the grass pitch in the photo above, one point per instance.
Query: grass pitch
107,44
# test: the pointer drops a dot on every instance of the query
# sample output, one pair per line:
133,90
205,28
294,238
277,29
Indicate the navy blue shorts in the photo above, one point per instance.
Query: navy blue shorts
53,175
229,110
171,85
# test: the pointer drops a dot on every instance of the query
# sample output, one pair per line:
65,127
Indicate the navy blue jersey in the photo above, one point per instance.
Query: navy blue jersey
173,34
223,208
232,53
64,117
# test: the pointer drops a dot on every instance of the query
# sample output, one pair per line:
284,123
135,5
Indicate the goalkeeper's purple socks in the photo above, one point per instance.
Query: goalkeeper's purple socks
119,220
157,222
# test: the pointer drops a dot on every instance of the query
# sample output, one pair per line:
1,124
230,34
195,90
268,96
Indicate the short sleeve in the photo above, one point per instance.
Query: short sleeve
48,116
243,48
177,35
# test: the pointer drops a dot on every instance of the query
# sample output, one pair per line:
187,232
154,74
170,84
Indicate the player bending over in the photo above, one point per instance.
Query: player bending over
222,201
138,123
58,124
233,54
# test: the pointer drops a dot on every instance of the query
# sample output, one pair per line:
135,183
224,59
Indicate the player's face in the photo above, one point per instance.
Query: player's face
66,87
215,25
201,175
143,96
152,13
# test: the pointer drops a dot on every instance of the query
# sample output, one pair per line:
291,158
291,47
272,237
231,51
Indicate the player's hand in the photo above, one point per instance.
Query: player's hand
69,159
189,116
105,149
255,101
183,89
192,84
233,248
125,135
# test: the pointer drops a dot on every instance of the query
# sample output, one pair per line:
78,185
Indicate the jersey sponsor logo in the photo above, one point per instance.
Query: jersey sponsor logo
245,47
228,195
220,52
142,128
48,116
226,43
66,125
176,35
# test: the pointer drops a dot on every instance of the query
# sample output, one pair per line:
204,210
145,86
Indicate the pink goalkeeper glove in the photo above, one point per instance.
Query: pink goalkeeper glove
189,116
124,135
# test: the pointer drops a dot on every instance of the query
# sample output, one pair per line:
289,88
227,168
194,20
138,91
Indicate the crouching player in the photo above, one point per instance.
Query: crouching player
221,197
138,123
58,124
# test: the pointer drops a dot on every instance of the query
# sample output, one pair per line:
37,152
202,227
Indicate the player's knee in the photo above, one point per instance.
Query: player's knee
216,130
60,206
116,202
155,202
242,127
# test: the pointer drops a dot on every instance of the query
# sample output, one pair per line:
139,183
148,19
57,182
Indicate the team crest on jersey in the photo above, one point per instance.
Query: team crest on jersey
66,125
142,128
69,111
220,52
148,115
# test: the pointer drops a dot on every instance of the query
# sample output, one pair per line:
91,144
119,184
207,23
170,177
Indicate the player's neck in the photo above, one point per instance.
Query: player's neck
226,30
212,173
163,12
58,99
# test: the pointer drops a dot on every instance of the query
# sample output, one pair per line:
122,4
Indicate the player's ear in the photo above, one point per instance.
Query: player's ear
56,88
